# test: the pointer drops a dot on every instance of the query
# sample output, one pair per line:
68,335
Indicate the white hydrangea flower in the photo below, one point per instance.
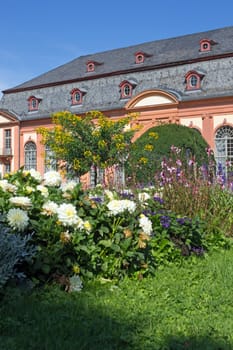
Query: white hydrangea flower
44,191
145,224
36,174
7,187
52,178
18,219
49,208
67,215
116,206
21,201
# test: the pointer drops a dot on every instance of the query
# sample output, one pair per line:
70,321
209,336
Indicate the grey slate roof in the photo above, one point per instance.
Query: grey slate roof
161,52
165,67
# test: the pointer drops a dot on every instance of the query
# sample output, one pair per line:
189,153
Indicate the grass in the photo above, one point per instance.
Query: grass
182,307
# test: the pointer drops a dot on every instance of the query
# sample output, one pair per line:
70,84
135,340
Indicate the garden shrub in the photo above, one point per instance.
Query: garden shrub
15,251
98,232
155,144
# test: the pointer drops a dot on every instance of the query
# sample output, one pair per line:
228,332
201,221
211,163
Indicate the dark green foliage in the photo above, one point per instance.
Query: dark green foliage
192,145
14,251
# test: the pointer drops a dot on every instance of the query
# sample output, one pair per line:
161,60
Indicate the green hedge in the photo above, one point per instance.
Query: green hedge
188,140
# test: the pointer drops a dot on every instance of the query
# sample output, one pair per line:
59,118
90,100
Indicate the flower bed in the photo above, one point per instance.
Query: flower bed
96,232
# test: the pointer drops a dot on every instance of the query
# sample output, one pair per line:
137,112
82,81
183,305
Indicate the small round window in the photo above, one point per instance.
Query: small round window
90,67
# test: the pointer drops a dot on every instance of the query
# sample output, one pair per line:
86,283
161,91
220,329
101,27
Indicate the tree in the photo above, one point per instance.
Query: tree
91,140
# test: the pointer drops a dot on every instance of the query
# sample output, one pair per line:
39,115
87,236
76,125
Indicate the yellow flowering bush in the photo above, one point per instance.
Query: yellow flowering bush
93,140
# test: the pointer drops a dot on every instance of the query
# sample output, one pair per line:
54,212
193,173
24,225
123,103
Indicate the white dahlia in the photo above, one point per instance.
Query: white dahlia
143,197
67,215
68,186
49,208
44,191
7,187
145,224
18,219
116,206
35,174
52,178
21,201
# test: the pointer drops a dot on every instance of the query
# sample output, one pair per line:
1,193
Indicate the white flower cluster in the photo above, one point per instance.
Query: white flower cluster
52,178
49,208
68,186
36,174
67,216
143,197
116,206
21,201
18,219
109,194
44,191
7,187
145,224
30,189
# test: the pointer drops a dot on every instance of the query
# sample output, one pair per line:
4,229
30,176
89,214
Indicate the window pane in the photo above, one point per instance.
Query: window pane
193,80
8,139
126,90
30,156
224,147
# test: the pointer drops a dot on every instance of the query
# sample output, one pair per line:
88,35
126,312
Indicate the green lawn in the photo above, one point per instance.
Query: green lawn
188,307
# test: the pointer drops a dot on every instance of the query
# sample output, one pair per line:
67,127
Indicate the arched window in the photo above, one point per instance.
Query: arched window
126,88
206,45
139,57
90,66
33,103
77,96
224,147
30,155
193,80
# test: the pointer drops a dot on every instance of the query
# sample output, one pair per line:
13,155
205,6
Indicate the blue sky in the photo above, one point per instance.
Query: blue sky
39,36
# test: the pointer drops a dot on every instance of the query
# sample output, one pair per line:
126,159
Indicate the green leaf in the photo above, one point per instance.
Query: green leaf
105,242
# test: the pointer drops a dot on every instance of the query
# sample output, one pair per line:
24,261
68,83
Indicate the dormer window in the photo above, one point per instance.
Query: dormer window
77,96
139,57
206,45
91,65
126,88
193,80
33,103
